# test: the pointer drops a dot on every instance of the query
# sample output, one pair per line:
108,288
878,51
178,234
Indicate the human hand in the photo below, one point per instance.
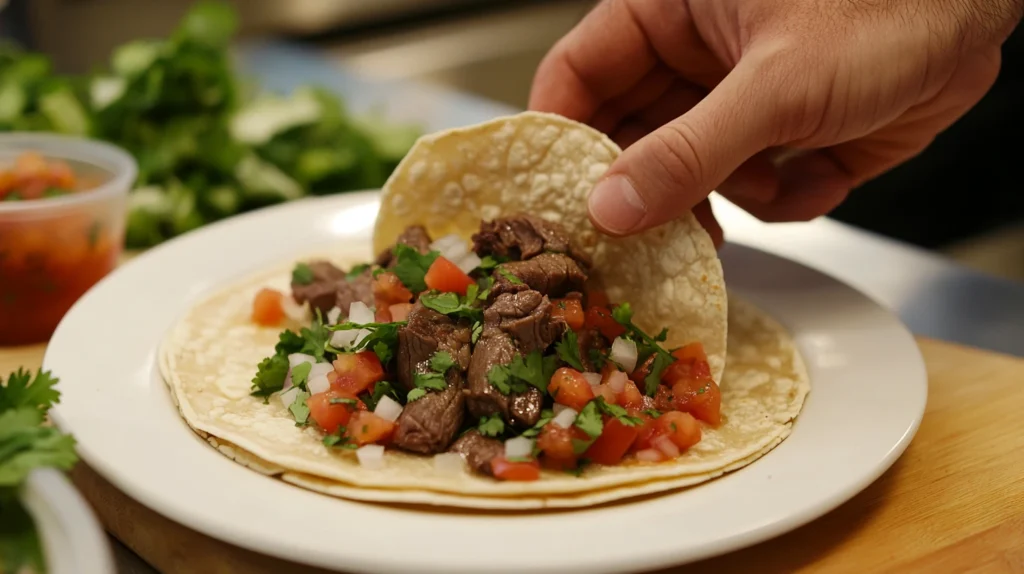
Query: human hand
782,106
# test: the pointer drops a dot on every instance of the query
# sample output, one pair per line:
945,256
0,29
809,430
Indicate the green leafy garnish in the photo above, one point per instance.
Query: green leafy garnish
439,364
568,349
382,340
509,276
453,305
270,375
24,390
356,271
653,413
429,381
380,389
299,374
545,417
415,394
589,420
302,274
299,409
411,267
534,369
289,342
488,262
653,379
597,358
337,439
616,411
491,425
342,401
645,347
442,361
478,329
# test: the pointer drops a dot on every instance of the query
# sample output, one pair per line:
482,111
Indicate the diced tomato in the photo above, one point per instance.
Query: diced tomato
691,352
569,388
605,392
268,307
61,176
642,370
382,314
663,399
504,469
680,428
600,318
612,445
691,365
556,442
702,400
571,310
356,372
446,277
366,428
559,463
400,311
631,398
645,432
330,416
597,298
388,290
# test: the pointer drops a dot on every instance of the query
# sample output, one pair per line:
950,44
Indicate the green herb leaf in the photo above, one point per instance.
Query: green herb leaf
545,417
653,413
653,379
357,271
302,274
429,381
26,445
597,358
568,349
478,329
342,401
411,267
452,304
616,411
534,369
488,262
339,440
509,276
24,390
580,446
270,376
382,340
289,342
623,315
299,409
441,362
491,425
416,394
380,389
471,293
646,346
589,420
299,374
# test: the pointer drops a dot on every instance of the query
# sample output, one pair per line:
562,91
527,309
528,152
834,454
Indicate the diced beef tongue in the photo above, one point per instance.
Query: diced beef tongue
359,288
522,236
414,236
428,424
552,274
478,450
320,292
516,323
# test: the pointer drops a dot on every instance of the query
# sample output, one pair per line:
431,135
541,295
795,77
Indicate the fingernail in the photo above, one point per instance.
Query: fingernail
616,206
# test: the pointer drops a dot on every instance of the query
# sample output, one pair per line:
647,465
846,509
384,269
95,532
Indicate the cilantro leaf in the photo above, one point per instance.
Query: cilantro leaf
289,342
509,276
616,411
26,445
580,446
589,420
568,349
270,375
501,377
472,292
452,304
416,394
653,379
491,425
441,362
24,390
20,545
357,271
302,274
411,267
623,315
429,381
534,369
299,374
382,340
646,346
299,409
478,329
379,390
545,417
597,358
653,413
338,440
315,338
488,262
342,401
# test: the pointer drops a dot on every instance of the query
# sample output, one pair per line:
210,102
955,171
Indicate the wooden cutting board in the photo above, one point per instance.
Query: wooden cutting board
953,503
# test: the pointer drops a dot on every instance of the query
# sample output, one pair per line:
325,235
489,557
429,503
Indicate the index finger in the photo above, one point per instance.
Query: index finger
602,57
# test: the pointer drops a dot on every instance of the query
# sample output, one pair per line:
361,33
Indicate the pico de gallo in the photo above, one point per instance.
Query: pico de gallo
50,257
502,356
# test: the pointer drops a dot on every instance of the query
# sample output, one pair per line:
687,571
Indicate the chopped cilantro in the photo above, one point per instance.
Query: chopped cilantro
439,364
379,390
416,394
315,338
491,261
491,425
471,293
429,381
357,271
597,358
568,350
545,417
411,267
509,276
645,346
452,304
534,369
616,411
378,271
24,390
702,390
339,440
580,446
653,379
382,340
270,375
589,420
342,401
478,329
302,274
653,413
299,410
299,374
288,342
442,361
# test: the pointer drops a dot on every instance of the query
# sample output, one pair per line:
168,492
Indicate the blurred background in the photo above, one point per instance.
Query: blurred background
962,197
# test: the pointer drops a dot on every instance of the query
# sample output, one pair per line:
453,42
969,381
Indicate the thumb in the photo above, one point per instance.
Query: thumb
672,169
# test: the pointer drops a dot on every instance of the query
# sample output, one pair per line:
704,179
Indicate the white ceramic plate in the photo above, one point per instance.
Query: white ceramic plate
867,398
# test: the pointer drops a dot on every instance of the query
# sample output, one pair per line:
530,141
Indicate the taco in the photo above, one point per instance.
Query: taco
494,350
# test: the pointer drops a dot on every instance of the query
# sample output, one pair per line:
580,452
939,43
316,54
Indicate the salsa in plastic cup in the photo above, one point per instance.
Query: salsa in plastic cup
62,215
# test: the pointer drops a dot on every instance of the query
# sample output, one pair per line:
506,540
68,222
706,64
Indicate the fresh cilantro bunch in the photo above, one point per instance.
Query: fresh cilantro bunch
25,444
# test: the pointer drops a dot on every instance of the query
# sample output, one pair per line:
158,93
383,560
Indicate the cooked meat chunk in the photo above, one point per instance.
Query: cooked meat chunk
478,450
330,288
359,288
552,274
591,339
428,424
414,236
522,236
516,323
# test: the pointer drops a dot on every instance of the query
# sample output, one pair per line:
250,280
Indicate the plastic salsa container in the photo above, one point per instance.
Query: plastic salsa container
62,215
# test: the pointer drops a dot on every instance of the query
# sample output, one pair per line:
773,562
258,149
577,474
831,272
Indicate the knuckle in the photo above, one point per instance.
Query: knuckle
676,148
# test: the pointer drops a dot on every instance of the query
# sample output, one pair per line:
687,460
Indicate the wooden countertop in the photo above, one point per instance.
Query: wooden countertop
954,502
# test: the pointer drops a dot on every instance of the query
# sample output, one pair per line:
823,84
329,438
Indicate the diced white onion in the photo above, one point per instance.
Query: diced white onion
287,382
296,359
333,315
451,247
288,397
559,407
345,339
649,455
360,335
449,463
388,409
565,418
317,381
624,354
359,313
593,378
371,456
666,446
293,310
518,447
469,262
617,381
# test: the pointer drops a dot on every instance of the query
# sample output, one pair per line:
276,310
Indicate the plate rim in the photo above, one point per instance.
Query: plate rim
352,199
